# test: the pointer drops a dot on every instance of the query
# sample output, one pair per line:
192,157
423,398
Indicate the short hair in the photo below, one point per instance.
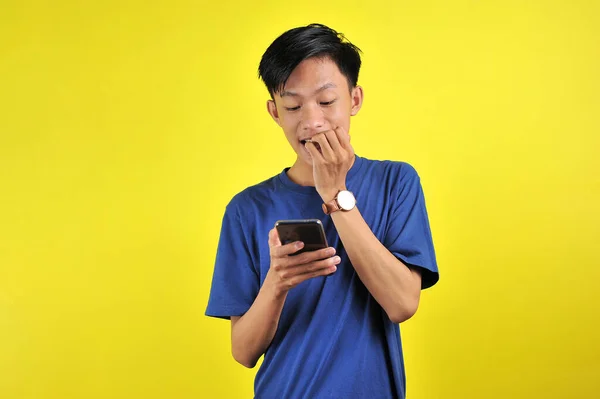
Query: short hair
299,44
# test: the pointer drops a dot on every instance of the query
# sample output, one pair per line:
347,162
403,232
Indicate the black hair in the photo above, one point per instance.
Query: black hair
299,44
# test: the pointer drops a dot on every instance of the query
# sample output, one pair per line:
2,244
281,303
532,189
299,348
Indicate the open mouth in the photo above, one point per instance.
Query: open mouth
314,142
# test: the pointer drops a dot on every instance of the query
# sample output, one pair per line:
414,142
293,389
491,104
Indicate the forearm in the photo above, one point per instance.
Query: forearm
253,332
393,285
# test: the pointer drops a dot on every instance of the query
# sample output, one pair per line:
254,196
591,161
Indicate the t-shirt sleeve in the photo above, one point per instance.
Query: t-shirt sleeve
235,282
409,235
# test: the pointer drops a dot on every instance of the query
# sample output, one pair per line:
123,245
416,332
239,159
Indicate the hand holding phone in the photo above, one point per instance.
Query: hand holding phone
295,261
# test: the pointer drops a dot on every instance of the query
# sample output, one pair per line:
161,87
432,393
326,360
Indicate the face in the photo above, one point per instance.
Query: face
316,98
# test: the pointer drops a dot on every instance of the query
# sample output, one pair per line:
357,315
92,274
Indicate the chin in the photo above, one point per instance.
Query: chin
304,156
306,160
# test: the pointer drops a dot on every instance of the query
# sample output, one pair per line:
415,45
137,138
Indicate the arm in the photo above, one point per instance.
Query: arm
252,333
396,287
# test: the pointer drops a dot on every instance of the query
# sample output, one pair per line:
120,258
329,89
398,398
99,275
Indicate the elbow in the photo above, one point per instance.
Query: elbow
400,317
243,358
247,364
403,312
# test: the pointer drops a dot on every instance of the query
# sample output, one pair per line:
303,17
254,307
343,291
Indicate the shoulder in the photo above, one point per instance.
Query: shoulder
397,170
257,195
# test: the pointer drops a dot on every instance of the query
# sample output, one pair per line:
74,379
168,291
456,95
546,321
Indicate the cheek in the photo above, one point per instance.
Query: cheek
287,119
290,124
338,116
289,128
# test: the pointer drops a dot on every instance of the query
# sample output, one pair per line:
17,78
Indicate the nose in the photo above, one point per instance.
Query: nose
312,118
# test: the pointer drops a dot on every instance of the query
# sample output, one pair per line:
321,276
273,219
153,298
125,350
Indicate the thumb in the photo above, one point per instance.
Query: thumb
274,240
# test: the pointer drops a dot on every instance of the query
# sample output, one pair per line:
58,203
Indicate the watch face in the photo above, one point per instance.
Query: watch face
346,200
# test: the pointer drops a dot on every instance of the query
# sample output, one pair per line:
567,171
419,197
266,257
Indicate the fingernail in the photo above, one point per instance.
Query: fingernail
331,251
299,244
337,259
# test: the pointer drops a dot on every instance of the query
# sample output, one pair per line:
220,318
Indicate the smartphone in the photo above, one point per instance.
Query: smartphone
309,231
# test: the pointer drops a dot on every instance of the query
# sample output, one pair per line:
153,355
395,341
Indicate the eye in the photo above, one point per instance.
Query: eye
291,109
326,103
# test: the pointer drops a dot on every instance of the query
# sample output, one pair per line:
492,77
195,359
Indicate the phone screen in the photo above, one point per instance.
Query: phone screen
309,231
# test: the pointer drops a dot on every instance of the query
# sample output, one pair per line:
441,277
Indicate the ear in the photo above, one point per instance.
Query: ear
272,109
357,100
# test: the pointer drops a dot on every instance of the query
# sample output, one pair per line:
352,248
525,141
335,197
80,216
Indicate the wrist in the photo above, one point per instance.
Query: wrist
330,194
343,200
272,290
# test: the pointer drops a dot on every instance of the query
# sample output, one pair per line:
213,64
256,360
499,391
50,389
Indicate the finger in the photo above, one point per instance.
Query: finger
294,281
287,249
292,271
326,149
333,141
343,137
314,153
312,256
274,240
307,257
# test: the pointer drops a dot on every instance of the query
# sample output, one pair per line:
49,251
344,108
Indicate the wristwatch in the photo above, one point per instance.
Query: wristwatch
343,201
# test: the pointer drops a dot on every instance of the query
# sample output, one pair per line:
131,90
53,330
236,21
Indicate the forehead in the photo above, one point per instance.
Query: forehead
314,73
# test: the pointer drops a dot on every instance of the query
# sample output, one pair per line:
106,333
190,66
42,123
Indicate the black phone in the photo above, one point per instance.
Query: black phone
309,231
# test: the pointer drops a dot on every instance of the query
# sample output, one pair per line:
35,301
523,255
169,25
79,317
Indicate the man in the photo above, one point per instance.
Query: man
326,320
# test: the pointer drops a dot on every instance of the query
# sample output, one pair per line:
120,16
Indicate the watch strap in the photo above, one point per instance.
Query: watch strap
331,206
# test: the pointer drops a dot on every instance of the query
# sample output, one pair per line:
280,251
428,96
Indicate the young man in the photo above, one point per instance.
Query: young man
327,320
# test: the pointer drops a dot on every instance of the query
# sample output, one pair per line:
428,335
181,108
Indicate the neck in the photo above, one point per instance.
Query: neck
301,173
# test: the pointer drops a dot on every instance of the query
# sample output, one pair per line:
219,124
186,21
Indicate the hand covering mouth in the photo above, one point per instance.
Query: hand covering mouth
310,141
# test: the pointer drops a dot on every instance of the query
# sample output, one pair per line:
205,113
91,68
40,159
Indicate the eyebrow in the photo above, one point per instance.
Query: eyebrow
294,94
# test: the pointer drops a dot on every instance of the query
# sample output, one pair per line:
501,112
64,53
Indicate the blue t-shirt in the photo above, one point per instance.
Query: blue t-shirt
333,339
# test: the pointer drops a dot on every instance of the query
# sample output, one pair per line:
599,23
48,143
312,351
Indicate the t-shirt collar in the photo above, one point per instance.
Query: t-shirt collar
353,173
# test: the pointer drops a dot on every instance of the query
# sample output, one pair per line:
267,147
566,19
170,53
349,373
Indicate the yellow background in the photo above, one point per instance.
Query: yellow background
126,126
